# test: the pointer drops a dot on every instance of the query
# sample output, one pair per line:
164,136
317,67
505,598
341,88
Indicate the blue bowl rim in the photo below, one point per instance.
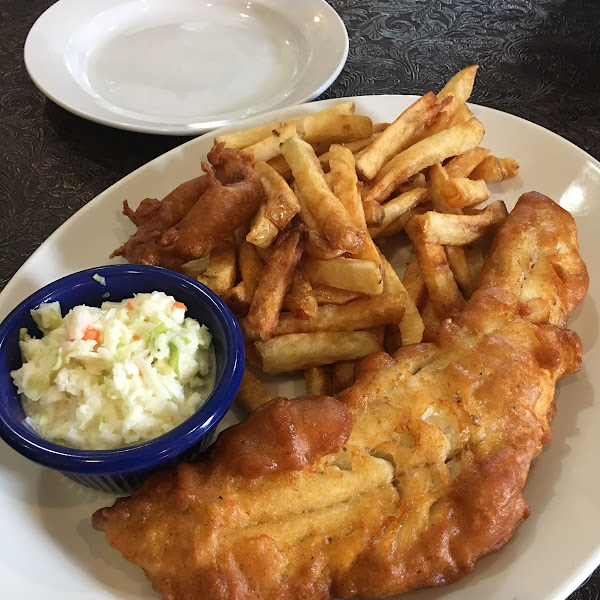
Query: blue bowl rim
146,455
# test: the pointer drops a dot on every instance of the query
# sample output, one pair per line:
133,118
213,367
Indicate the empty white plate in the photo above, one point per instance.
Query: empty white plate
183,67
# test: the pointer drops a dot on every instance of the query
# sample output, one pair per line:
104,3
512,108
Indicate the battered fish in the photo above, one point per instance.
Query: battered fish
197,215
407,479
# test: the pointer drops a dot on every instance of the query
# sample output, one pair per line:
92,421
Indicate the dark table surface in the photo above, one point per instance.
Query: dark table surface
539,59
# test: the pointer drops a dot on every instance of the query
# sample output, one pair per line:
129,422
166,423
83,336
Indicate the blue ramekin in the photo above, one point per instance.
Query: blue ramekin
123,469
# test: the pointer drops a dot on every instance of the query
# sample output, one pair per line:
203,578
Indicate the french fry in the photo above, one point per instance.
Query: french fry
325,294
396,136
457,230
434,149
463,164
298,351
334,128
252,392
345,187
462,191
262,231
274,282
452,98
321,203
395,226
416,181
342,375
441,285
221,272
358,314
411,325
279,164
318,381
299,299
413,281
351,274
459,87
269,147
282,204
354,146
493,169
457,259
247,137
374,213
250,267
398,206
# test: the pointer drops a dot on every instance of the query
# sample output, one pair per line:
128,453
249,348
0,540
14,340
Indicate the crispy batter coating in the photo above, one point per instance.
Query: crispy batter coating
426,480
197,215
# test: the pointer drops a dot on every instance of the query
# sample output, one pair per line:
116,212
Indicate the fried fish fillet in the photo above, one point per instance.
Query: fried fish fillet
197,215
407,479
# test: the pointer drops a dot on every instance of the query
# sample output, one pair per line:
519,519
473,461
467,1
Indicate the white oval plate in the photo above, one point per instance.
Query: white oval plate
183,67
48,548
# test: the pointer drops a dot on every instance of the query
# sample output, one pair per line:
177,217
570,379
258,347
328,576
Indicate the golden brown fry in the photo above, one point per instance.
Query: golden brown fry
457,230
374,212
398,206
510,167
345,187
342,375
411,325
354,146
416,181
413,282
459,87
280,165
463,164
333,219
250,267
462,191
299,299
282,204
493,169
262,231
345,273
358,314
441,285
334,128
247,137
318,381
298,351
425,153
252,392
221,271
269,147
325,294
457,259
396,136
275,281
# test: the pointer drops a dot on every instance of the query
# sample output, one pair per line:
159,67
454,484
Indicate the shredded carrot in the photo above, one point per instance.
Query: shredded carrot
91,333
129,305
136,337
180,305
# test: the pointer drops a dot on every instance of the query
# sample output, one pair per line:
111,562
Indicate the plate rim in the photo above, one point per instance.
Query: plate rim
201,127
577,573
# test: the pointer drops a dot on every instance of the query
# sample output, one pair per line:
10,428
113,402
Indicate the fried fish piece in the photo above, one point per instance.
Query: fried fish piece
195,217
413,474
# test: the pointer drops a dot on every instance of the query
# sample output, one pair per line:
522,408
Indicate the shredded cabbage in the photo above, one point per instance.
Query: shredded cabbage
117,375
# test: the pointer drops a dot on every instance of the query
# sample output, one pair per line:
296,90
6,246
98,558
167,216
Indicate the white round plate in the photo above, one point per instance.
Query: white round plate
183,67
48,548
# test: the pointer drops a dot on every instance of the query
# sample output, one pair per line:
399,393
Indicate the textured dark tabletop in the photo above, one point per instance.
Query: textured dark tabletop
539,59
